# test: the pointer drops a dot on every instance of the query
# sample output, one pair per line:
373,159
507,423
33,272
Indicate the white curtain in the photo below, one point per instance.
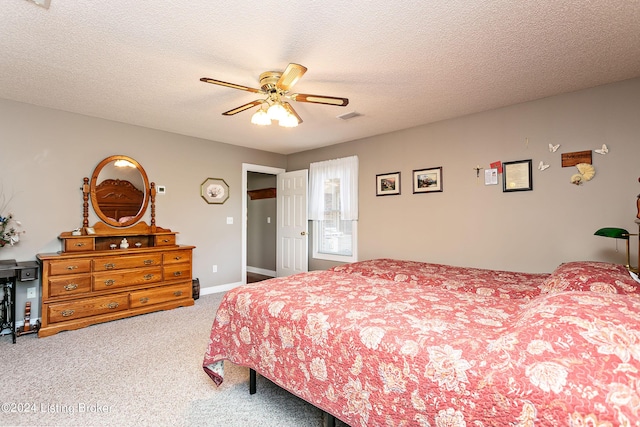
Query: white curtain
345,170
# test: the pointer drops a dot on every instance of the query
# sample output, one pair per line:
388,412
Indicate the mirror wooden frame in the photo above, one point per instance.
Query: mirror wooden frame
116,191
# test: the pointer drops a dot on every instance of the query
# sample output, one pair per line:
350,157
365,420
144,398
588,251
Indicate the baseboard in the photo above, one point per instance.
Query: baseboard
220,288
263,271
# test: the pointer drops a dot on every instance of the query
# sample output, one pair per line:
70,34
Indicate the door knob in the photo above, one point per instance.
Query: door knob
303,233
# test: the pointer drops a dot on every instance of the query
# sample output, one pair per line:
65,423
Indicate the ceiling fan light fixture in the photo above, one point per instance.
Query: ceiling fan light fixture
277,111
289,121
276,86
261,118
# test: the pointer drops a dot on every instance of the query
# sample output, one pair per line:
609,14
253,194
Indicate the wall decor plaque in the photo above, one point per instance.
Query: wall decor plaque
572,159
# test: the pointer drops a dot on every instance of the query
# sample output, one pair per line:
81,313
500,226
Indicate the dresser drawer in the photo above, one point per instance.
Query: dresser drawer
59,312
160,294
165,240
82,244
121,262
119,279
69,285
69,266
177,271
175,257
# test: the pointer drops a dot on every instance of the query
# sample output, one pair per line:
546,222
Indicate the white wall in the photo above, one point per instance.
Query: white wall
46,153
472,224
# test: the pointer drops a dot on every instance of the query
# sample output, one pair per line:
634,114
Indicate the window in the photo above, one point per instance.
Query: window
333,208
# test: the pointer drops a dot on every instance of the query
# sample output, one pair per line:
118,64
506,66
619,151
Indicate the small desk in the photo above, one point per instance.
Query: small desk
11,272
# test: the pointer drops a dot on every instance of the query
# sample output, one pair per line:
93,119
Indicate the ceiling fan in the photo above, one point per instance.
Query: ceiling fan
275,86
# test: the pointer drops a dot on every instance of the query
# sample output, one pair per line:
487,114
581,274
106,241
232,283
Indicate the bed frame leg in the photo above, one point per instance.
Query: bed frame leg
252,381
331,420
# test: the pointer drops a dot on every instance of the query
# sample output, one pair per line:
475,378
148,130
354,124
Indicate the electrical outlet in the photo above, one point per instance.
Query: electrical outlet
214,269
31,293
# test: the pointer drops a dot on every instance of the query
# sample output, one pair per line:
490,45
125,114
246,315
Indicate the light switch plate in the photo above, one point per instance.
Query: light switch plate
229,220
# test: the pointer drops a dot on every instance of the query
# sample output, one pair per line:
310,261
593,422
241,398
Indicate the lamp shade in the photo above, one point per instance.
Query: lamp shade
260,118
616,233
289,121
277,112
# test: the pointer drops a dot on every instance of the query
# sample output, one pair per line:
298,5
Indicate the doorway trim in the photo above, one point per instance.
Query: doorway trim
248,167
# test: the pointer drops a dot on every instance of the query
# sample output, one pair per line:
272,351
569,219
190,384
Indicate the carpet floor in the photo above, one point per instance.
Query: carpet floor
141,371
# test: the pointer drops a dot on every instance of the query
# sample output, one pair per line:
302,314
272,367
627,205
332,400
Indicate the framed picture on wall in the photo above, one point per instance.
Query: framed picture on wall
517,176
214,191
388,184
427,180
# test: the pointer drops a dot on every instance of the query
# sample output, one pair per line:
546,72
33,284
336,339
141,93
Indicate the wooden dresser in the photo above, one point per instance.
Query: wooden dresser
89,282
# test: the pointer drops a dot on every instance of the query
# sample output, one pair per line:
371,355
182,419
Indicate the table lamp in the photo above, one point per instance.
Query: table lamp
616,233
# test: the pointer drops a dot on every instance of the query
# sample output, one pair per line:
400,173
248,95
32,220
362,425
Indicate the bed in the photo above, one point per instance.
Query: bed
399,343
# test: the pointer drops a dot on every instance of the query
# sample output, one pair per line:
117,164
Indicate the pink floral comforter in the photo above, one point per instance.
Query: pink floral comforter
378,352
503,284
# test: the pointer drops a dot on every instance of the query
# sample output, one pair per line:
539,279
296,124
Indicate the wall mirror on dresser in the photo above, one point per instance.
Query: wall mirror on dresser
119,191
120,266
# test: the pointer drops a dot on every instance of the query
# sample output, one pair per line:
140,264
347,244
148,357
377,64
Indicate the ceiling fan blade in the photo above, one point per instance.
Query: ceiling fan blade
241,108
290,76
231,85
320,99
290,109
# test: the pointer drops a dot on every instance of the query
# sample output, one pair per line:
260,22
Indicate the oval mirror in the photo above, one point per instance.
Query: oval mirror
119,191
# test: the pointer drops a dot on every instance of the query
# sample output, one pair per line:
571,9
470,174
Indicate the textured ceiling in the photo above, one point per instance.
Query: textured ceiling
401,64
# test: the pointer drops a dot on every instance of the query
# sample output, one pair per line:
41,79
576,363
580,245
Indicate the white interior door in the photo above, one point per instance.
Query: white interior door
292,232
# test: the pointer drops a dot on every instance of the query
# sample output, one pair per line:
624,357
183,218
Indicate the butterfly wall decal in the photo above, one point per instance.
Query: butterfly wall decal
553,148
542,166
604,150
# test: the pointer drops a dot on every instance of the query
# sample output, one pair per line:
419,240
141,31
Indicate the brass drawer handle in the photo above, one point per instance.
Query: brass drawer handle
109,282
144,300
177,273
148,277
72,267
79,245
71,287
67,313
177,258
112,305
165,240
177,293
109,265
148,261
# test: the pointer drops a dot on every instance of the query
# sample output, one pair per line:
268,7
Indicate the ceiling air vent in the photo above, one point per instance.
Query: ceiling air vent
43,3
347,116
